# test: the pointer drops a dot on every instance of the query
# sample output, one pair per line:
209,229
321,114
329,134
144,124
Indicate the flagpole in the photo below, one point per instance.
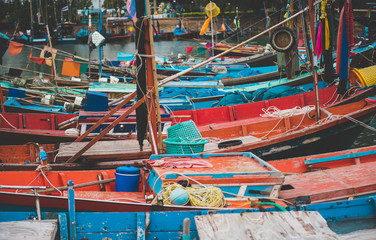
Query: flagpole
100,47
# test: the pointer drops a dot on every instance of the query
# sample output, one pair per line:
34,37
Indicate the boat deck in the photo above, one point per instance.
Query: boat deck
332,184
106,150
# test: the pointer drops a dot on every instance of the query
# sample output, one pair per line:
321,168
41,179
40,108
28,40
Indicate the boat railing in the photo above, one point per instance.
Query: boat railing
34,188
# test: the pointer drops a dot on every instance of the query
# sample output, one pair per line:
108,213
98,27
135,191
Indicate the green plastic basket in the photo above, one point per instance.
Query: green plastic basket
185,129
184,145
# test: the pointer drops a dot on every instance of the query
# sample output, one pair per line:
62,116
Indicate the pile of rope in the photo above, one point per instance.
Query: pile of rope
198,196
275,112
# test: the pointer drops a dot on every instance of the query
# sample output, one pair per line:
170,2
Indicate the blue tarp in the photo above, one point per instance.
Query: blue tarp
189,92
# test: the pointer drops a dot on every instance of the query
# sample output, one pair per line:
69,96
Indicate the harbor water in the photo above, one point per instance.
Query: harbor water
110,52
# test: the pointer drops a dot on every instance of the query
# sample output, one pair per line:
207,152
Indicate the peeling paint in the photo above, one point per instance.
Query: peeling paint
311,140
278,149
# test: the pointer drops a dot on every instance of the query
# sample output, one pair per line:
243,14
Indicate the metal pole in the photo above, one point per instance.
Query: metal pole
37,204
100,47
237,25
186,226
212,29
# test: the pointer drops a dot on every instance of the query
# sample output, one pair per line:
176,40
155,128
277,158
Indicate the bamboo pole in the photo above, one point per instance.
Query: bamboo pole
53,67
314,73
78,185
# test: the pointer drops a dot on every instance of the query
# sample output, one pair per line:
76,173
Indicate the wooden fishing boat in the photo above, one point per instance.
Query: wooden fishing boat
328,97
325,161
102,190
118,29
20,105
25,154
46,128
240,175
290,136
21,128
65,33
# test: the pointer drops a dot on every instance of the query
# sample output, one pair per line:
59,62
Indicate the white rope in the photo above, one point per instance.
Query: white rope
273,111
7,121
331,116
30,182
44,175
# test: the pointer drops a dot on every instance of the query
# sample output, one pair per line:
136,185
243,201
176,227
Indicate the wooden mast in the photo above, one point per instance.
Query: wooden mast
152,82
314,73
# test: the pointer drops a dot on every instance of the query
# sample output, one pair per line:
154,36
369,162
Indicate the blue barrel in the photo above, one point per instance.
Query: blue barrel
127,179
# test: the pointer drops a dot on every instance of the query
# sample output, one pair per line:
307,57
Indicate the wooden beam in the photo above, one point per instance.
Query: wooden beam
152,82
107,129
107,116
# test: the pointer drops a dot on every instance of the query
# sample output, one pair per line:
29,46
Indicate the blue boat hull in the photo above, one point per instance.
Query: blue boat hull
341,216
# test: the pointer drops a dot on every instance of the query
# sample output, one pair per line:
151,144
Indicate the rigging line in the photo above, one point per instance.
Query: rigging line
31,181
59,52
7,121
44,175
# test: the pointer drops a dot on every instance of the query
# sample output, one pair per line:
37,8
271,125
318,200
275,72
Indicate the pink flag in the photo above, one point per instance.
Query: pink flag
131,8
189,49
319,44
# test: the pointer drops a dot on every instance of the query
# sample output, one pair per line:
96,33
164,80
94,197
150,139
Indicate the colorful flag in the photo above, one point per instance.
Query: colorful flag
49,54
71,69
64,9
14,48
131,8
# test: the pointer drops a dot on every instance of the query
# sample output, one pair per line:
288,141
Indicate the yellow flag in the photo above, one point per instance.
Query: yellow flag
327,34
205,26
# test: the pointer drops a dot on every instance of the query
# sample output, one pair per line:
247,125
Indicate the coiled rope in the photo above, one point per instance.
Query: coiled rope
198,196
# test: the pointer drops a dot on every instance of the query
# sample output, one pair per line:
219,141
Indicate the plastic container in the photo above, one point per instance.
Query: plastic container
184,145
42,154
185,129
364,77
212,10
96,101
127,179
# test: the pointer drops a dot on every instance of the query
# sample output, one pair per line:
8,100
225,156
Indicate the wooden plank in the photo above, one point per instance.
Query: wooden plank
31,230
264,225
332,184
339,157
104,150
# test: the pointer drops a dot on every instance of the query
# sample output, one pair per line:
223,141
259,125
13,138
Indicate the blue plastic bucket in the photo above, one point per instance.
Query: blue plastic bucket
127,179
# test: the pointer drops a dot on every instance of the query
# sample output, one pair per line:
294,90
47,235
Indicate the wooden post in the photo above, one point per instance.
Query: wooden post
314,73
152,82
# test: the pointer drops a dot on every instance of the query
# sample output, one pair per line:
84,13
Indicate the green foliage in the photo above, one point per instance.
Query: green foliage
114,3
84,4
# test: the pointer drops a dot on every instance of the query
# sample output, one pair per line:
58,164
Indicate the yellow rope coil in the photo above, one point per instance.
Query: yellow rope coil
198,196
